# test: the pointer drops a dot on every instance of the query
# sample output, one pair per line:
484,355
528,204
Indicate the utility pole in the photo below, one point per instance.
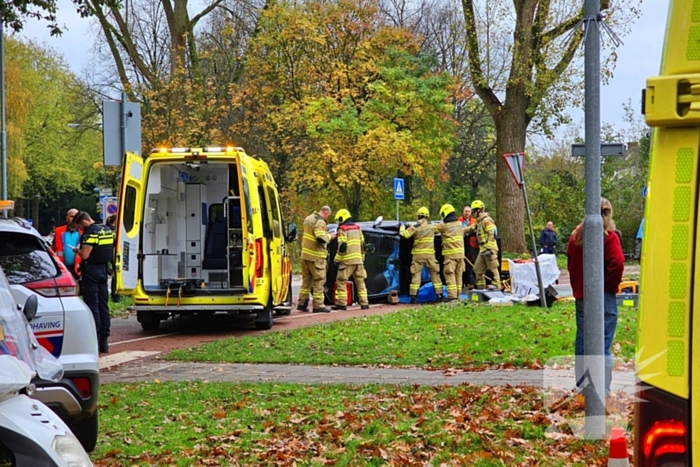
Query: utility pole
3,133
593,360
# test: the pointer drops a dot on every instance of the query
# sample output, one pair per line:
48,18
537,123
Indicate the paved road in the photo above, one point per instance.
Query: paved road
153,369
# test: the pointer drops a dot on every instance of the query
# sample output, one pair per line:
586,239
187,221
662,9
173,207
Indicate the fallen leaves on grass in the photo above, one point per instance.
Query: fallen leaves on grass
357,426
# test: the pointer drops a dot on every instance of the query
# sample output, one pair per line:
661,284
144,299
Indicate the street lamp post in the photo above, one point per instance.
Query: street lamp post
3,134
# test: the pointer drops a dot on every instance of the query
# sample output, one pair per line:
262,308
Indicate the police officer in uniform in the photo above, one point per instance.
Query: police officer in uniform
423,253
314,251
350,259
488,248
97,244
452,234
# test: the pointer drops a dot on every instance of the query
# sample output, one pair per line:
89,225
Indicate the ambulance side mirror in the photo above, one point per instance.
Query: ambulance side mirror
291,232
30,308
378,221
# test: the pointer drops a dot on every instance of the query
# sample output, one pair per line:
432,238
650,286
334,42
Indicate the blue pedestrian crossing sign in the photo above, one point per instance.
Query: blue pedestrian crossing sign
398,188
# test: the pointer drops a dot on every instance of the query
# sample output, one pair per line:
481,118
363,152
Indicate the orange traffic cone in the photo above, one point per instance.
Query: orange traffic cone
618,448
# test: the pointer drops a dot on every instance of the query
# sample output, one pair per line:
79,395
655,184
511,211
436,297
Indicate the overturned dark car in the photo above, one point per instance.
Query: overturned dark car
388,261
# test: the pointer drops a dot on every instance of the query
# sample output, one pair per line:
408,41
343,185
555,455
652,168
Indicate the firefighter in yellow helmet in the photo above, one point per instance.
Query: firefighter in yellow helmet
314,242
350,260
452,235
488,248
423,253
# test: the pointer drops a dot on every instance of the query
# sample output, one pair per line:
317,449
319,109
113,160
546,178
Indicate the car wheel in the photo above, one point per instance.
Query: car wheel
149,321
86,431
266,316
287,302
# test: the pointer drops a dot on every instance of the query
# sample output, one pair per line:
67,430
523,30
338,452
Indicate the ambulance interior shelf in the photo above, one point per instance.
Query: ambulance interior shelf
234,249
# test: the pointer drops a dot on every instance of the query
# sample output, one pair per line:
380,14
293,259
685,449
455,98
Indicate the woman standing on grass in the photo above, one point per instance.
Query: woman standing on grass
613,268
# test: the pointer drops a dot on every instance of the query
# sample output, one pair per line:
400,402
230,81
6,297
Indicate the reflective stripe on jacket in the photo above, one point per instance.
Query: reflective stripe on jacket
351,235
315,238
423,234
452,234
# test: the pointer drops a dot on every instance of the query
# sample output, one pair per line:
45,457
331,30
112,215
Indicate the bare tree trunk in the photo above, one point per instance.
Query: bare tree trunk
19,208
35,212
510,138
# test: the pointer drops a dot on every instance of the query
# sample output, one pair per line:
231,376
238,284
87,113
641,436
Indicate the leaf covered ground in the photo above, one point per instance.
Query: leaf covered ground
225,424
467,336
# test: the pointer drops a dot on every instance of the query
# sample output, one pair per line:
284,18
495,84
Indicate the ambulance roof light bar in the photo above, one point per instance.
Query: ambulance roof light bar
228,149
164,150
210,149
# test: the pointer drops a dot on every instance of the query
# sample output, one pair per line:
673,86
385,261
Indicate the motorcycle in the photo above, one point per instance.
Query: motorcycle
31,434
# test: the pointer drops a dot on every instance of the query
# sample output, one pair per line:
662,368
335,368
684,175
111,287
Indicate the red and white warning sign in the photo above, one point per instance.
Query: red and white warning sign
516,164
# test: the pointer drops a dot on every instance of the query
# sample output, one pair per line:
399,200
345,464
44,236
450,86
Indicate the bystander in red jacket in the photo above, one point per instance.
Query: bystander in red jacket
68,257
613,268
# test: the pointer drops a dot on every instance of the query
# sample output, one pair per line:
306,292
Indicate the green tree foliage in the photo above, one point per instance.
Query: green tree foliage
526,80
50,152
15,12
557,184
344,103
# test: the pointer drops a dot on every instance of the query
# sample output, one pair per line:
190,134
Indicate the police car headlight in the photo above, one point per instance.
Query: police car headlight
71,451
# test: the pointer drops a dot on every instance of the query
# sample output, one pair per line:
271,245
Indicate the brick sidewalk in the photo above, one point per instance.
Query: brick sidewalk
154,369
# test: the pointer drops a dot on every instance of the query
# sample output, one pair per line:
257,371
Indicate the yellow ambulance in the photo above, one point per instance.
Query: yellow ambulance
200,231
668,340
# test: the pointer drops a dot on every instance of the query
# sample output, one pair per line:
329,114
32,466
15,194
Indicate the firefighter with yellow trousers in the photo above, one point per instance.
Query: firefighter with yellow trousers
488,248
452,234
423,233
314,251
350,260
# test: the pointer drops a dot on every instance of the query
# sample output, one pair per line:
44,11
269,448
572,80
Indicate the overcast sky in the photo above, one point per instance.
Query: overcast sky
638,59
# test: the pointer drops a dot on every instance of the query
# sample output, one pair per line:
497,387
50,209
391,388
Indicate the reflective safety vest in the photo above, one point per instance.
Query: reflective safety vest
350,235
423,234
315,238
101,239
452,234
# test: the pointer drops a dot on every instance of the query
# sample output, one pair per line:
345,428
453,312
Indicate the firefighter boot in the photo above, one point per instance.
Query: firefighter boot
339,307
364,307
413,299
322,310
303,306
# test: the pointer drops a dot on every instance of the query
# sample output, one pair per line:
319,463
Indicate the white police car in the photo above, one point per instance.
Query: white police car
64,324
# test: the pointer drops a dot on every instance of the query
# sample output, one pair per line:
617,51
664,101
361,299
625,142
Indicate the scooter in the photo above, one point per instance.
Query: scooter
31,434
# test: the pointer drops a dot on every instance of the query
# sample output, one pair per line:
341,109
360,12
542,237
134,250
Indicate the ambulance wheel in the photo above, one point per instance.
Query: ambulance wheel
264,320
149,321
287,302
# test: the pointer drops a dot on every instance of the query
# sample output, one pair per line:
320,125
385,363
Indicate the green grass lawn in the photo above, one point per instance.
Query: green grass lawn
460,336
198,424
119,309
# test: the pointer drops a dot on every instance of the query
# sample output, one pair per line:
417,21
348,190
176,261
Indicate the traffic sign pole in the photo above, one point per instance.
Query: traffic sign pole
516,164
399,192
